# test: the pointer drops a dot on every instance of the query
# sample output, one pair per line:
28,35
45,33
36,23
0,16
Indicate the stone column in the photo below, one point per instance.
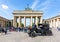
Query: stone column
24,21
3,23
41,19
31,21
15,22
57,22
36,20
19,21
53,23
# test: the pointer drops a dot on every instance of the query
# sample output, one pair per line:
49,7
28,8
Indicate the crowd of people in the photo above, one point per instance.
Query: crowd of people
3,30
18,29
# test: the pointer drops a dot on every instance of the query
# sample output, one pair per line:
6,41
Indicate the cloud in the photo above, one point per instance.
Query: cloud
4,6
45,6
34,4
47,2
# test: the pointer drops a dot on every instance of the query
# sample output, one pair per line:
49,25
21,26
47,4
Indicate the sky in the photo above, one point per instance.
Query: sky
50,8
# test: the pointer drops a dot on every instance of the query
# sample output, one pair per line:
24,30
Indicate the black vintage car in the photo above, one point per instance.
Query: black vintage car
43,29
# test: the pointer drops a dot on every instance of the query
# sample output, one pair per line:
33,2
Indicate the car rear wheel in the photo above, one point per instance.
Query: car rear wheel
33,34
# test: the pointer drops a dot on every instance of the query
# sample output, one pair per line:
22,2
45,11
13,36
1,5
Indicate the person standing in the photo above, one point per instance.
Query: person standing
5,30
34,25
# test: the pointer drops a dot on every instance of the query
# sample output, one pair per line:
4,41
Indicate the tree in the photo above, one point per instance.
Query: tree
17,24
22,25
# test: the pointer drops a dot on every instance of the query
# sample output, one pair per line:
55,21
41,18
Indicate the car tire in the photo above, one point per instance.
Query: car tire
33,34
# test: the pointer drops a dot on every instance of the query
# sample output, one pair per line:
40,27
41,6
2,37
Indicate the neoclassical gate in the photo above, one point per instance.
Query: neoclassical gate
27,13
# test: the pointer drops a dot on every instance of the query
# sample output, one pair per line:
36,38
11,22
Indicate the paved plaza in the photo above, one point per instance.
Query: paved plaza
23,37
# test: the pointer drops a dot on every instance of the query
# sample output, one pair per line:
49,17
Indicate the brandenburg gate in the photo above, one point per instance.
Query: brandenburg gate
27,13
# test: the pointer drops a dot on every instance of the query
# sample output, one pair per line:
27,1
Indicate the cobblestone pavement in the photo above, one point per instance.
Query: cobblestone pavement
23,37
